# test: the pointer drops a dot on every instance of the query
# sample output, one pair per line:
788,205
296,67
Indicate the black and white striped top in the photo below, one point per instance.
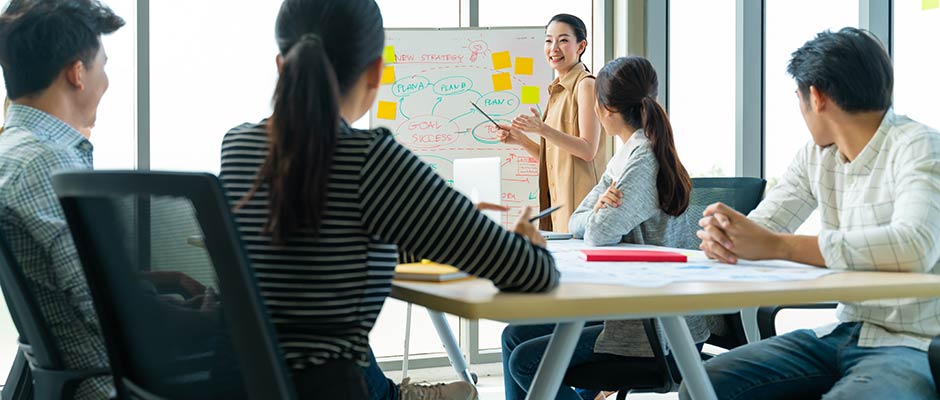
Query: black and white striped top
324,294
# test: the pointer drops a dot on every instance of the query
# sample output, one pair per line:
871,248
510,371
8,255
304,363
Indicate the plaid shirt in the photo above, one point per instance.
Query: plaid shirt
33,146
880,212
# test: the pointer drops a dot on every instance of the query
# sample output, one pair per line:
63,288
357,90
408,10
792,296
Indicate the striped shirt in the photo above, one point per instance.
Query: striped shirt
324,293
880,212
33,146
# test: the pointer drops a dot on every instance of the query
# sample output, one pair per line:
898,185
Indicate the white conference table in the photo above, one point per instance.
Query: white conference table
571,305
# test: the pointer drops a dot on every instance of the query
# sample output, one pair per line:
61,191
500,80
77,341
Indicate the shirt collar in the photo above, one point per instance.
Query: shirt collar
45,127
862,163
570,78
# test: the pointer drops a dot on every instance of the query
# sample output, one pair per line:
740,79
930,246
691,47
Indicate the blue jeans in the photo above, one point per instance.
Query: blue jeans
523,348
798,365
380,387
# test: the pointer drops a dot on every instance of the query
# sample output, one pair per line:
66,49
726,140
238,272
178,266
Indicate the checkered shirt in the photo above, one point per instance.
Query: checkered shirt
33,146
880,212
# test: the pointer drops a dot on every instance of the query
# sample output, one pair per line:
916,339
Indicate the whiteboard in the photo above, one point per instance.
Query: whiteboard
432,75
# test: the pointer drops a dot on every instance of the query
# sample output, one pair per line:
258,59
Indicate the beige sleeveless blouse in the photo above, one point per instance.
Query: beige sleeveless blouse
565,178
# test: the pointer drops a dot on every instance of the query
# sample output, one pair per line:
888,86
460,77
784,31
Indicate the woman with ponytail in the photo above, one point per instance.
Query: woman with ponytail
641,198
325,209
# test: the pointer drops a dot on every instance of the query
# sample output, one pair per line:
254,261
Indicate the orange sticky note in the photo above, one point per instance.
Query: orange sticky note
389,54
502,82
929,4
388,75
501,60
387,109
523,66
530,95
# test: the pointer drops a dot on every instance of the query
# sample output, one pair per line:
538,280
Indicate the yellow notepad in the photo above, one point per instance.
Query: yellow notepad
428,271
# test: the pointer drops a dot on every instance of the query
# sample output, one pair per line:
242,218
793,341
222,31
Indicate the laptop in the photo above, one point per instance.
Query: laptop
479,180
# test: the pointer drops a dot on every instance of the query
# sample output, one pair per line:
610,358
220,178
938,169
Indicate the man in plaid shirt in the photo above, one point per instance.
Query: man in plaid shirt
53,64
874,176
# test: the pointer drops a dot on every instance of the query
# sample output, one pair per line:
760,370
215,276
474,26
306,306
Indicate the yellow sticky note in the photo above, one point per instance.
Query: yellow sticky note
929,4
523,66
530,95
389,54
388,75
502,82
501,60
387,109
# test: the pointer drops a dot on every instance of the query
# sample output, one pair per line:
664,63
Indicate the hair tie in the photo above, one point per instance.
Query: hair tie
311,37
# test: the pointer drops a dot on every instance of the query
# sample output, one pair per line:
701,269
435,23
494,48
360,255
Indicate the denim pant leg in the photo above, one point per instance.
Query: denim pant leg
380,387
513,336
525,359
797,365
895,372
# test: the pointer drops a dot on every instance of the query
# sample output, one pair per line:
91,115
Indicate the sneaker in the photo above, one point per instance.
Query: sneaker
459,390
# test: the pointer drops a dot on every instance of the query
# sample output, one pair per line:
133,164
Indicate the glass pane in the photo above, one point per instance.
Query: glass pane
702,84
420,13
388,336
209,72
491,333
916,80
114,135
537,13
786,131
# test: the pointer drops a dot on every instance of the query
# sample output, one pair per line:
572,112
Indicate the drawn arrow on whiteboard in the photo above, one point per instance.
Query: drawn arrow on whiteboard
532,196
526,180
462,115
439,100
401,109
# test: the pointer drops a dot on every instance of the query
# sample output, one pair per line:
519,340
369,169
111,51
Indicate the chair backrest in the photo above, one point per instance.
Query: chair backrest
35,338
741,193
178,302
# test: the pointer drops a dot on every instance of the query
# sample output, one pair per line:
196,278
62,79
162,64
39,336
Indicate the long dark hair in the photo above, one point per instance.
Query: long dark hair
325,46
628,86
576,24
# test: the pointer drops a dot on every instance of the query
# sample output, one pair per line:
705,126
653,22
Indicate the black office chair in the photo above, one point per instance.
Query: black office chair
635,375
38,370
130,226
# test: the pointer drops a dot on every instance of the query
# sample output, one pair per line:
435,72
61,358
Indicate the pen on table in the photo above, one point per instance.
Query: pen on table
545,213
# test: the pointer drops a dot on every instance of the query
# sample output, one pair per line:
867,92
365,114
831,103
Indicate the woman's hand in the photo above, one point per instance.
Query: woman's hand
611,198
527,229
510,135
530,123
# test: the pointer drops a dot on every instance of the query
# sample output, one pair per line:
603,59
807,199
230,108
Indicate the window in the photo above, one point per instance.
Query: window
916,82
790,24
210,71
702,84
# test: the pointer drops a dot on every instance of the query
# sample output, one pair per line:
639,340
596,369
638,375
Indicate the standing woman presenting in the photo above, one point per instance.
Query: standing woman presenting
572,155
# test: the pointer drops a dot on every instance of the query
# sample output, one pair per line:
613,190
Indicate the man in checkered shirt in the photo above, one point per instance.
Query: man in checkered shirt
875,178
53,64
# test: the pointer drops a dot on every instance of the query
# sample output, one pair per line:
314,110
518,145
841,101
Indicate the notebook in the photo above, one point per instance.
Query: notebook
428,271
632,255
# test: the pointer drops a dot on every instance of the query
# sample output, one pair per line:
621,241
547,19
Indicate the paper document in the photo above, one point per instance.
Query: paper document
574,269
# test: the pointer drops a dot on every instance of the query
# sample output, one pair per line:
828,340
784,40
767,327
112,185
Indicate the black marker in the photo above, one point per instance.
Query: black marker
545,213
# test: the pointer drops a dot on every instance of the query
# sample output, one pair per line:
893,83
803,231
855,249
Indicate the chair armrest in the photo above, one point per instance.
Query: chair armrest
933,357
766,316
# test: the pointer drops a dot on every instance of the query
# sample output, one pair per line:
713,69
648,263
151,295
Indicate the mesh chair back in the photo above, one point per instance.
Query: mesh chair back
178,303
30,324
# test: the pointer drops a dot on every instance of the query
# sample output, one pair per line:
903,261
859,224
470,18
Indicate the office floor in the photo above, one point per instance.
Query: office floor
490,385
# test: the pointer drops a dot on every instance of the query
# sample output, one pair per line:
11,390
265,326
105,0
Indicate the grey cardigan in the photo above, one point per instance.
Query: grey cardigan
638,220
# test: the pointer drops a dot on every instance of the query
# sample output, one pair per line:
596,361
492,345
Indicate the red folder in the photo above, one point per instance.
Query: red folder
632,255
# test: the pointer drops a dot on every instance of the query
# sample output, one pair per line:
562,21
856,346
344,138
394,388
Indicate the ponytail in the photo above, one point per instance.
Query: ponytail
303,132
672,182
